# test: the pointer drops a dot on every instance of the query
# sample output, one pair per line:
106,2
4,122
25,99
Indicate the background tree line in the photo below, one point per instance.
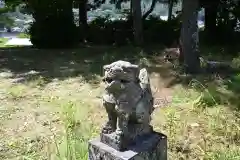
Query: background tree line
54,25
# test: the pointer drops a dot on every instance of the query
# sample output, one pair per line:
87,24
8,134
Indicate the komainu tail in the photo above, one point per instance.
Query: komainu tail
144,79
145,85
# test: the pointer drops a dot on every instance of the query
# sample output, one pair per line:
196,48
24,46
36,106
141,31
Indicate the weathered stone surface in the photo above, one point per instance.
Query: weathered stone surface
135,132
128,101
149,147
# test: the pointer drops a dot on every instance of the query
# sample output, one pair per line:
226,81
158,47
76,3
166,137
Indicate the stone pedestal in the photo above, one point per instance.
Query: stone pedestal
136,133
150,147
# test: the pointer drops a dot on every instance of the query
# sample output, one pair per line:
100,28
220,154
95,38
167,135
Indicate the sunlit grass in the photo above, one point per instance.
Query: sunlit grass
2,42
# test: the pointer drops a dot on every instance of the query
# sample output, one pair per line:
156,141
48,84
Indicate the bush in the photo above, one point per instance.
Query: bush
160,31
53,26
105,31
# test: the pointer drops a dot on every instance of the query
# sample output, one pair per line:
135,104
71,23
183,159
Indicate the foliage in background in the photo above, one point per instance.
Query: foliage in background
120,31
3,18
12,3
224,22
53,26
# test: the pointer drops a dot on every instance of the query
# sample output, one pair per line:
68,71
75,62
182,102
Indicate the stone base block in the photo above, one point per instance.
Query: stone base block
152,147
137,132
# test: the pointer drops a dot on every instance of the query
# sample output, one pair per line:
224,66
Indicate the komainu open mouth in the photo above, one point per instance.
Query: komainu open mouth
108,80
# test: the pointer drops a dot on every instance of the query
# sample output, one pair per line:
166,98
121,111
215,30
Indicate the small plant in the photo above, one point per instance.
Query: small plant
77,133
37,82
16,92
208,97
236,63
172,121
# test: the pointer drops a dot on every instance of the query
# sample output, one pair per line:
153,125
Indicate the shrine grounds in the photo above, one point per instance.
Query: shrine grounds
51,103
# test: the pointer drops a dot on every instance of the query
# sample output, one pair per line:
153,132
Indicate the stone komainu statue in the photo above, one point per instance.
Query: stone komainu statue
128,101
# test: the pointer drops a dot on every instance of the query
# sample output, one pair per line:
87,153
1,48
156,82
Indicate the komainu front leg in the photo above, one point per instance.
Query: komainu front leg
110,126
142,113
122,126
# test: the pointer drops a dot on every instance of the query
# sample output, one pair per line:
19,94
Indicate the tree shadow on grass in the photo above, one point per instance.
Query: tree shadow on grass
26,63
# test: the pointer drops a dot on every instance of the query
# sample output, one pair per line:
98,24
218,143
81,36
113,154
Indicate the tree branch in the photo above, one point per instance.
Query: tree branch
150,9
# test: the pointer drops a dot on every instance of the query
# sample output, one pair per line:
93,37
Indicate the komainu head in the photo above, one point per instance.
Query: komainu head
119,74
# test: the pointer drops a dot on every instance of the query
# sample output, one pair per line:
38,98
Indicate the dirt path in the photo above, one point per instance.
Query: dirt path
162,95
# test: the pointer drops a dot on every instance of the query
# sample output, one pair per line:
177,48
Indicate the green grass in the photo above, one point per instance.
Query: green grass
23,35
2,42
53,112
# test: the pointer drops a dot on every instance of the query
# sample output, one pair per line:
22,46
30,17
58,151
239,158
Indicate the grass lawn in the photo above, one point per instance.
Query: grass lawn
51,104
2,42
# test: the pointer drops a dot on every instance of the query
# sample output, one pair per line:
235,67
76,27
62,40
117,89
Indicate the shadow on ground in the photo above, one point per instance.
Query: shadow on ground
27,64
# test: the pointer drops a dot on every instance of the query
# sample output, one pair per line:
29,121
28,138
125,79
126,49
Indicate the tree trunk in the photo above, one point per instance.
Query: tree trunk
181,54
118,4
137,22
131,7
189,36
150,9
170,8
82,6
210,17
